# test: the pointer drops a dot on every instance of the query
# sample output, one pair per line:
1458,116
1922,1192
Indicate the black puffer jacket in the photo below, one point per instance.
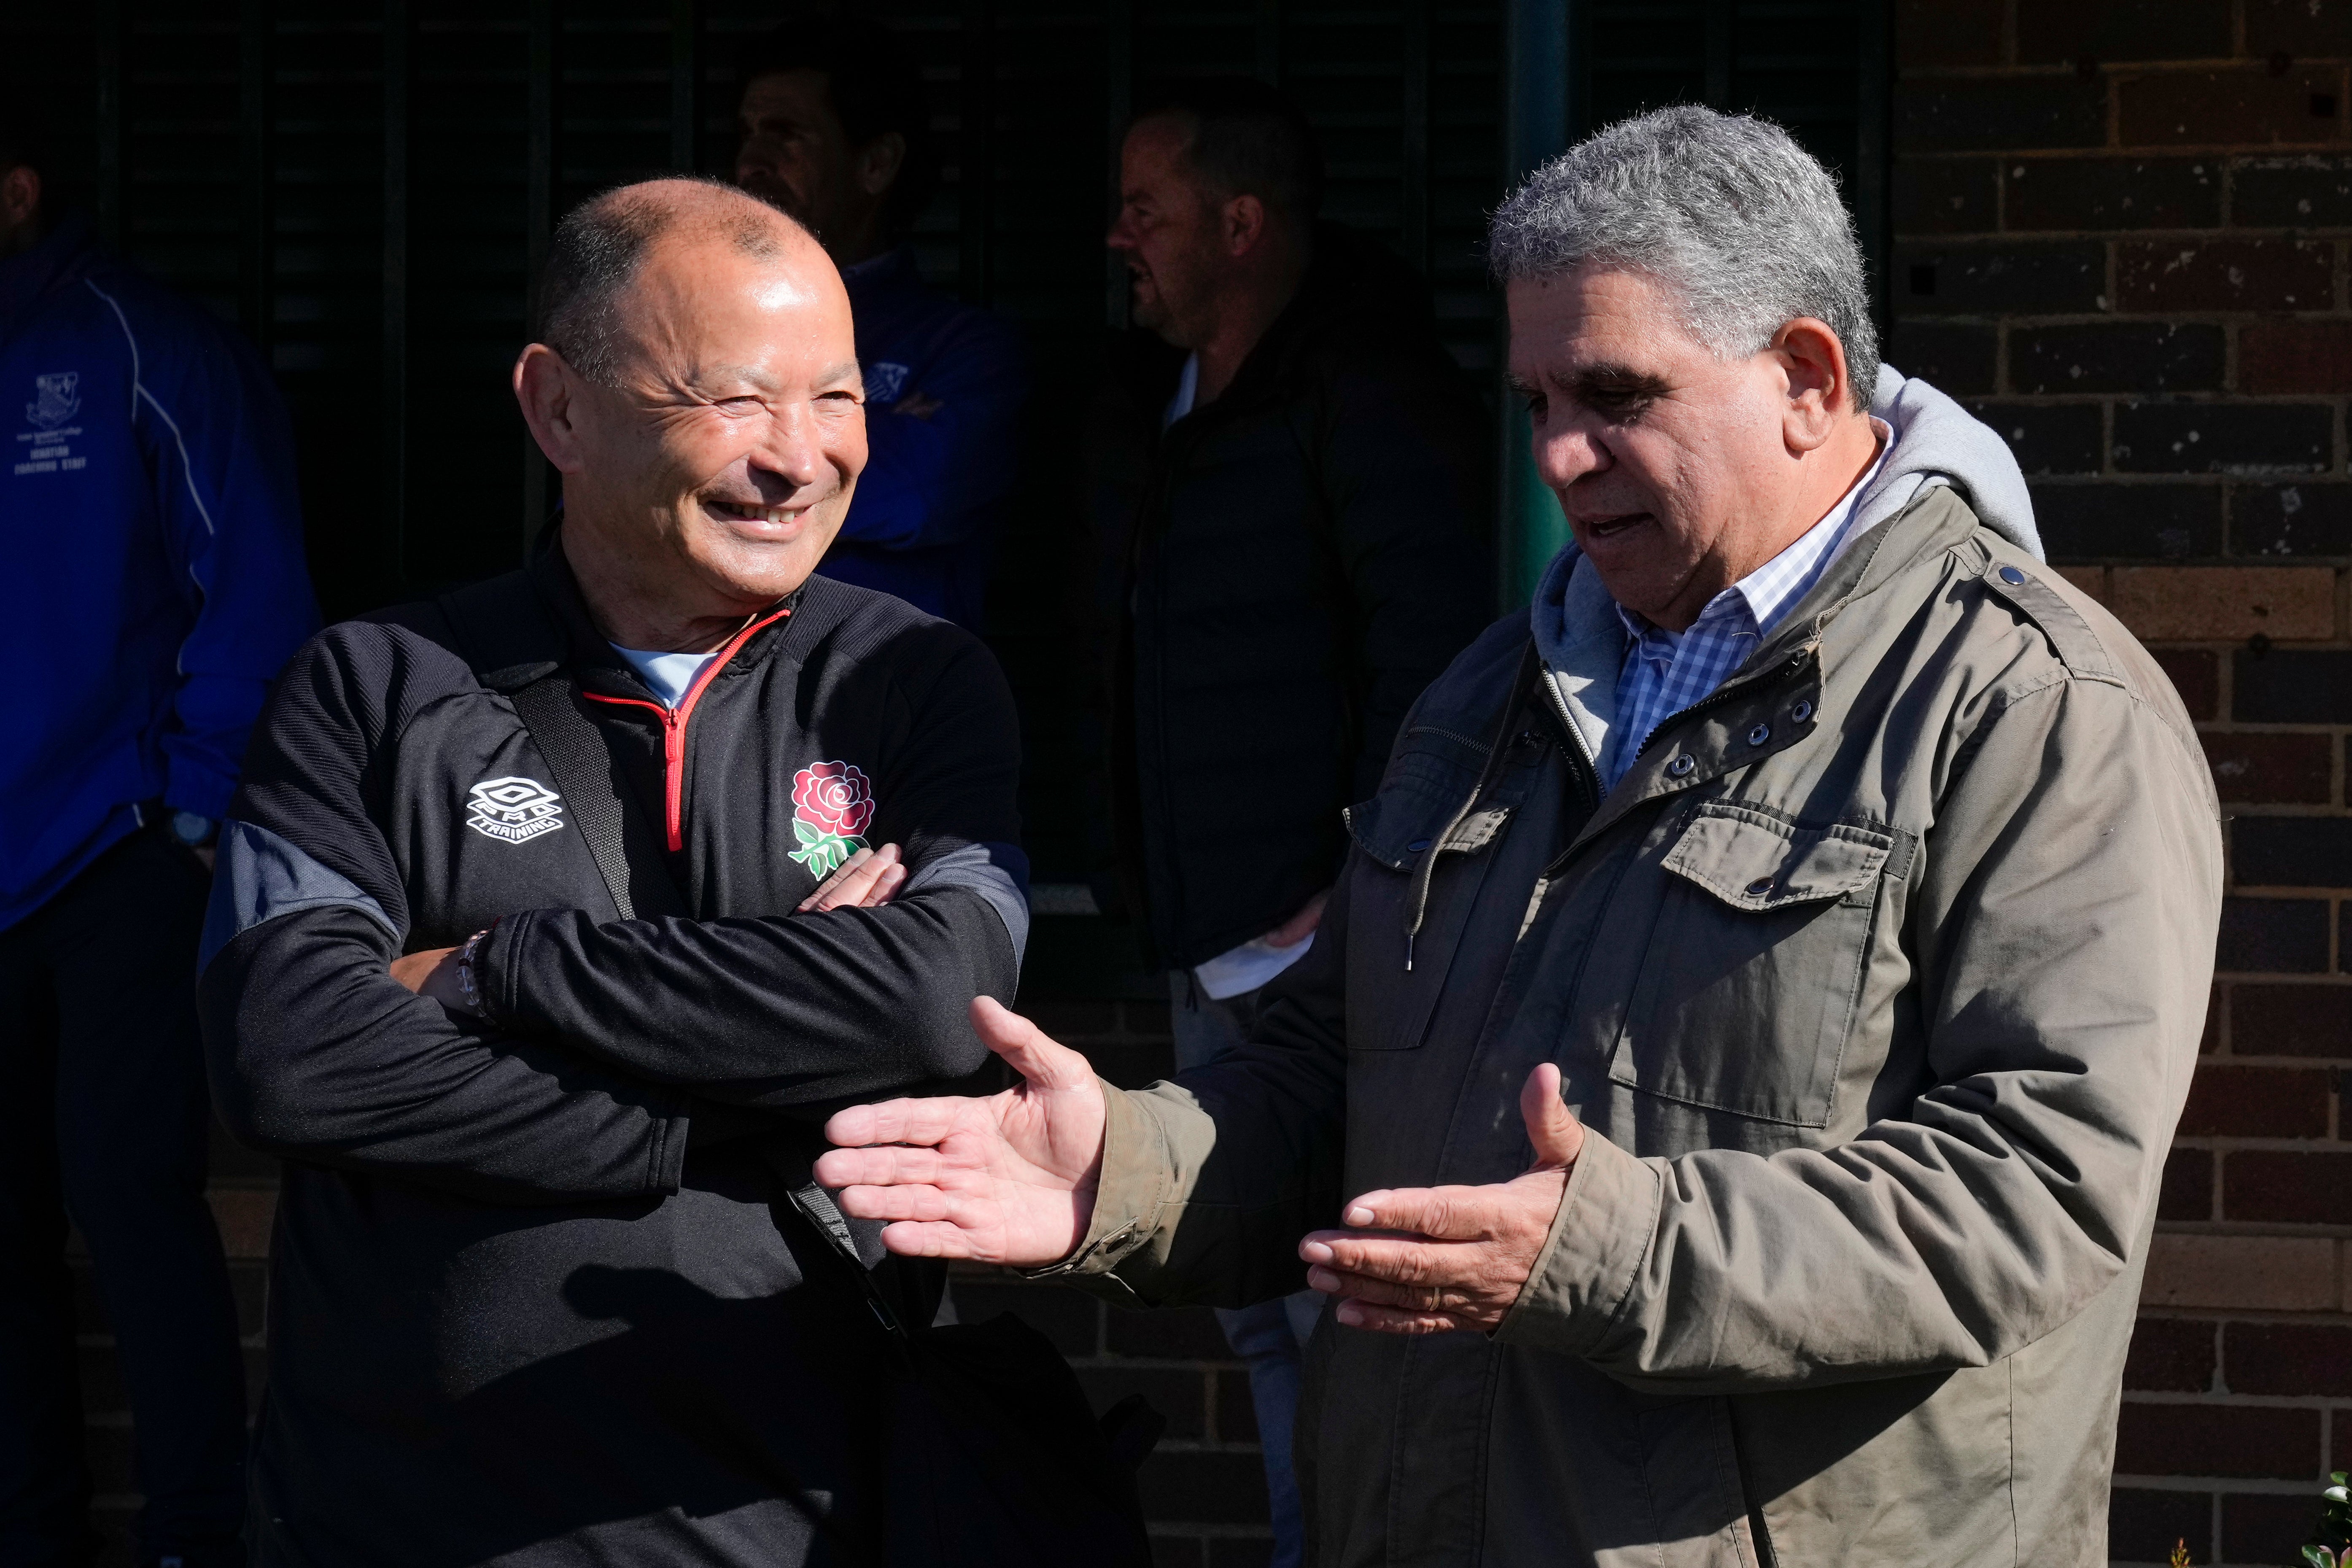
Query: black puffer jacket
1283,570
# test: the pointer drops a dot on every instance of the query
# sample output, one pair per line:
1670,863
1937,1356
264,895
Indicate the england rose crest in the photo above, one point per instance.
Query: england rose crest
832,803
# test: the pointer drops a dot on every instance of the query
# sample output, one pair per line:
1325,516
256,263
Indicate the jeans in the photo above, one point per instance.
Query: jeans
104,1117
1269,1336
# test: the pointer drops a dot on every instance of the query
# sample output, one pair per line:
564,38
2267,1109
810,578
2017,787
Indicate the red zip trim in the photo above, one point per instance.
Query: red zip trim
674,728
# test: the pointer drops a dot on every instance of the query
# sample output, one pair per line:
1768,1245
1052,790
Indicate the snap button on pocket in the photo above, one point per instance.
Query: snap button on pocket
1801,711
2011,576
1418,844
1681,766
1758,735
1760,887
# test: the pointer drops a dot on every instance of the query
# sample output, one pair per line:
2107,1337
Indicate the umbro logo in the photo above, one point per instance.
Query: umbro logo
512,810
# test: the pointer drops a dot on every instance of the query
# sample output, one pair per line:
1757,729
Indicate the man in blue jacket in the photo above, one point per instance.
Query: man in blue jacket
836,132
153,584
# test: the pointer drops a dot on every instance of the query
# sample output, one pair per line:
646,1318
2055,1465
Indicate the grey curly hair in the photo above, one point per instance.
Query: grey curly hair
1727,210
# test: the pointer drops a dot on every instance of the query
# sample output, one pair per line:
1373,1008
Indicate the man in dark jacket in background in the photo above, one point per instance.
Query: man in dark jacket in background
836,132
543,1289
154,583
1291,485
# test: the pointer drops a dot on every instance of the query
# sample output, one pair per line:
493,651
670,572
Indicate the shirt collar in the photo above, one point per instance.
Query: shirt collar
1766,595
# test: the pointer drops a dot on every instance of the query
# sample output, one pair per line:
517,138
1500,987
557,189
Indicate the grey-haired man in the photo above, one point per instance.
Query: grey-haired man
1830,886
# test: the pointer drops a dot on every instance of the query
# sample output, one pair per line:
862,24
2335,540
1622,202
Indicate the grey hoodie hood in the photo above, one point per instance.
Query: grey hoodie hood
1936,442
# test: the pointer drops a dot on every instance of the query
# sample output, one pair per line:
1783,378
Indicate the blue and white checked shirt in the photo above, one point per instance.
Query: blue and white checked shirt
1665,672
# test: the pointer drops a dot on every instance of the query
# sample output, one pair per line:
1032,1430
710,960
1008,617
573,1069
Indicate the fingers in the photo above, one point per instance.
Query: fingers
909,1238
924,1203
1398,1256
1390,1321
1030,1051
1405,1298
1300,926
1557,1136
886,1165
896,1121
862,881
1450,1213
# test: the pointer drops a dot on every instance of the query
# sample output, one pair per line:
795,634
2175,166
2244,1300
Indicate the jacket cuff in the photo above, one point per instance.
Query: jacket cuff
497,968
665,1160
1130,1193
1589,1264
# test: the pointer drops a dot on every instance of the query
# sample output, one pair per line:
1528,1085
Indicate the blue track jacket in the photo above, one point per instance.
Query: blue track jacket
153,579
944,384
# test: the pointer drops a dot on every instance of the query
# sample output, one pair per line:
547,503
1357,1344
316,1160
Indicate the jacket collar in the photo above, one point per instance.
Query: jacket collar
1776,690
585,650
58,262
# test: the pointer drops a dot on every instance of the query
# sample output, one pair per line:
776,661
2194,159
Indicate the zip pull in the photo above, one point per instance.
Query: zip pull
1535,902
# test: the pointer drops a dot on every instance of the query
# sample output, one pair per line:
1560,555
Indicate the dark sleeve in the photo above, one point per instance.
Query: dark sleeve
220,460
807,1010
929,477
1406,461
316,1053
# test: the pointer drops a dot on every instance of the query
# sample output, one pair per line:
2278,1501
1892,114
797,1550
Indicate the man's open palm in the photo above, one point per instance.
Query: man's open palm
1009,1179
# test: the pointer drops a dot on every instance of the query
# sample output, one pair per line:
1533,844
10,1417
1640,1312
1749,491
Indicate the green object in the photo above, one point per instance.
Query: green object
2332,1544
1532,522
1537,36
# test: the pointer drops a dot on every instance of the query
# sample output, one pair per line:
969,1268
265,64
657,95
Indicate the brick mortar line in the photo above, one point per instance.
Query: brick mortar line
2104,153
2278,1317
2339,146
2115,72
2269,1486
2153,234
2312,1064
2255,1230
2238,1401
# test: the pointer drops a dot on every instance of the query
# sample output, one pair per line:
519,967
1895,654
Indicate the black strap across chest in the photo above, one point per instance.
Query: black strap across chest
514,647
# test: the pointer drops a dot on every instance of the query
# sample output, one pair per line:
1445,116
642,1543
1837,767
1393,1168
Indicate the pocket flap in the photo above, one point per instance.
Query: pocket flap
1396,830
1753,860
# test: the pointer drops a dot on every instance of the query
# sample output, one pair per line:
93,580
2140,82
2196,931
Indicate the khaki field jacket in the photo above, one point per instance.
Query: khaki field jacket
1877,980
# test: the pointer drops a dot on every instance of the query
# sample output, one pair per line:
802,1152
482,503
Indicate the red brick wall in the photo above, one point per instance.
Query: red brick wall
2121,234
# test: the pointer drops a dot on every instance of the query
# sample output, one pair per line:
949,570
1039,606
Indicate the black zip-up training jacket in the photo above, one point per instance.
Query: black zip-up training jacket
536,1295
1283,570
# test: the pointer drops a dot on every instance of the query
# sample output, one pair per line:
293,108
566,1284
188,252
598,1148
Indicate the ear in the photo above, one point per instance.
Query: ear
1819,390
1242,224
879,160
550,392
20,195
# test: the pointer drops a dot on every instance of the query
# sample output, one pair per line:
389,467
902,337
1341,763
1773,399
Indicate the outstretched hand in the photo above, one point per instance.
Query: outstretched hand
1424,1260
1009,1179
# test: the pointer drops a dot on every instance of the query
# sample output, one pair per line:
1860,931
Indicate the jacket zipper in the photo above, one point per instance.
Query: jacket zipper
1589,770
674,729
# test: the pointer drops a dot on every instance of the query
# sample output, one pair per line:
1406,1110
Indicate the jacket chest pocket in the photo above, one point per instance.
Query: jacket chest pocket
1749,984
1396,965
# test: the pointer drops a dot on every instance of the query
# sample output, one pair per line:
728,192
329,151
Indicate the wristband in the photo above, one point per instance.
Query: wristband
465,986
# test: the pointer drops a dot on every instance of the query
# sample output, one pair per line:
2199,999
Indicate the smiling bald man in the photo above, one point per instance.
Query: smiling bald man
539,1291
